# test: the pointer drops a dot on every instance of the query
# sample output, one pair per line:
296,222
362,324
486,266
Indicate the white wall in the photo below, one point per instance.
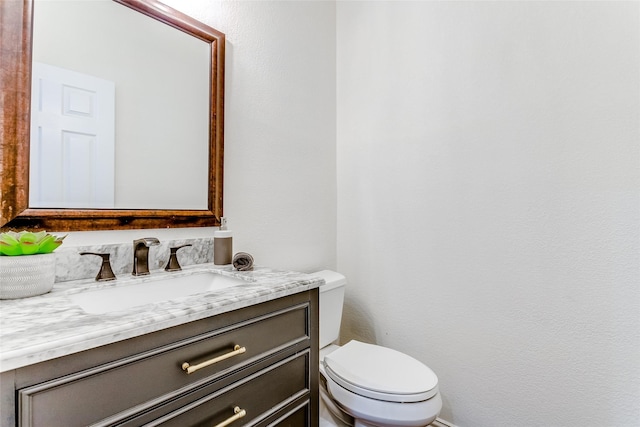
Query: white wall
488,201
280,166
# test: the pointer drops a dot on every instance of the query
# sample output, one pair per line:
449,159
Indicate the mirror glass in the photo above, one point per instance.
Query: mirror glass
119,110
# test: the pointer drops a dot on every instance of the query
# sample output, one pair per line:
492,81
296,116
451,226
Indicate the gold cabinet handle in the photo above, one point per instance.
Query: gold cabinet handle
191,369
239,413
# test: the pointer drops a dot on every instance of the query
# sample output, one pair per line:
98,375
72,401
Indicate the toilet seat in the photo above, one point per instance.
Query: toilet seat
380,373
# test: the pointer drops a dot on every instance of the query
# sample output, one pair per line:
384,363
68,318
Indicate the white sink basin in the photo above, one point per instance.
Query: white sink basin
167,288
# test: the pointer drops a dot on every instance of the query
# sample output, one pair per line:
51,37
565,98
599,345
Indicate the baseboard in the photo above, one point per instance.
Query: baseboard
439,422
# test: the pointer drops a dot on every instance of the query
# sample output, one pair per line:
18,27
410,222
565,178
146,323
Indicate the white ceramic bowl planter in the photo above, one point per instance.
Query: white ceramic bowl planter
27,263
26,276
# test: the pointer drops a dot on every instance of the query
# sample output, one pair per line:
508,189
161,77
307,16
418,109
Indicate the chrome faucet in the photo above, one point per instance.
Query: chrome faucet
141,255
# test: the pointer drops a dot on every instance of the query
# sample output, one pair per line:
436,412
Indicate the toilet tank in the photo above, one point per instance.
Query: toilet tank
331,300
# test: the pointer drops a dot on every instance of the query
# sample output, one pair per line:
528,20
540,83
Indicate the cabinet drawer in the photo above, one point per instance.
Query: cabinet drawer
266,394
138,382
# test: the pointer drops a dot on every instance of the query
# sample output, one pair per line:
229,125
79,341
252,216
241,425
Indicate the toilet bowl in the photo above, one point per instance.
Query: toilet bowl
369,385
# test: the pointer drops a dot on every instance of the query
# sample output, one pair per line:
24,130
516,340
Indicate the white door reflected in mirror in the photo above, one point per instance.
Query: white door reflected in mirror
72,150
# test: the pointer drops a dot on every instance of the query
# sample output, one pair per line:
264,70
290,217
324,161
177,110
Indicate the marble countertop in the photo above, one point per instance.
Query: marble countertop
41,328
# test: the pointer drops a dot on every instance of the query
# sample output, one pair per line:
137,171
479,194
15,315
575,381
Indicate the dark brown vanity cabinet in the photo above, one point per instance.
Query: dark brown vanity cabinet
255,366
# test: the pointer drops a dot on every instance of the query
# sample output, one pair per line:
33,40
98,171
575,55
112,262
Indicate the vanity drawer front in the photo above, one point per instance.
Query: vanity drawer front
265,395
131,384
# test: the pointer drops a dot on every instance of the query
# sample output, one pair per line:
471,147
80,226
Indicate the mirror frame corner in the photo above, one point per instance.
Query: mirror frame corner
16,26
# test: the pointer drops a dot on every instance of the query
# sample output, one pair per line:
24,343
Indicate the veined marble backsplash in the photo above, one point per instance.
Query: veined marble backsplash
70,265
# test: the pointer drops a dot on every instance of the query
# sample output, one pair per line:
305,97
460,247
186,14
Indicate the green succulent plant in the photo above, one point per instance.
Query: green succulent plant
28,243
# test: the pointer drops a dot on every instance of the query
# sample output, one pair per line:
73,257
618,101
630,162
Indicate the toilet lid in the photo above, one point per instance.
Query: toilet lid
380,373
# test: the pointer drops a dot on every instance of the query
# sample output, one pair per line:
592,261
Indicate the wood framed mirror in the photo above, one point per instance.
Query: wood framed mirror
16,39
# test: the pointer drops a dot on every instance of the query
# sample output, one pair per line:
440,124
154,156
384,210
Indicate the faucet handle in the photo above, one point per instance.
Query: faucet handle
147,241
105,273
173,264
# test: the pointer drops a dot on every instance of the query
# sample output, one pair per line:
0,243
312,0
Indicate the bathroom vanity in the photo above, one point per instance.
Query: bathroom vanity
245,355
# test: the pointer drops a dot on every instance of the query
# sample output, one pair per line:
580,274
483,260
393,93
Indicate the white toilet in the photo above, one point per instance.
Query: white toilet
365,385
